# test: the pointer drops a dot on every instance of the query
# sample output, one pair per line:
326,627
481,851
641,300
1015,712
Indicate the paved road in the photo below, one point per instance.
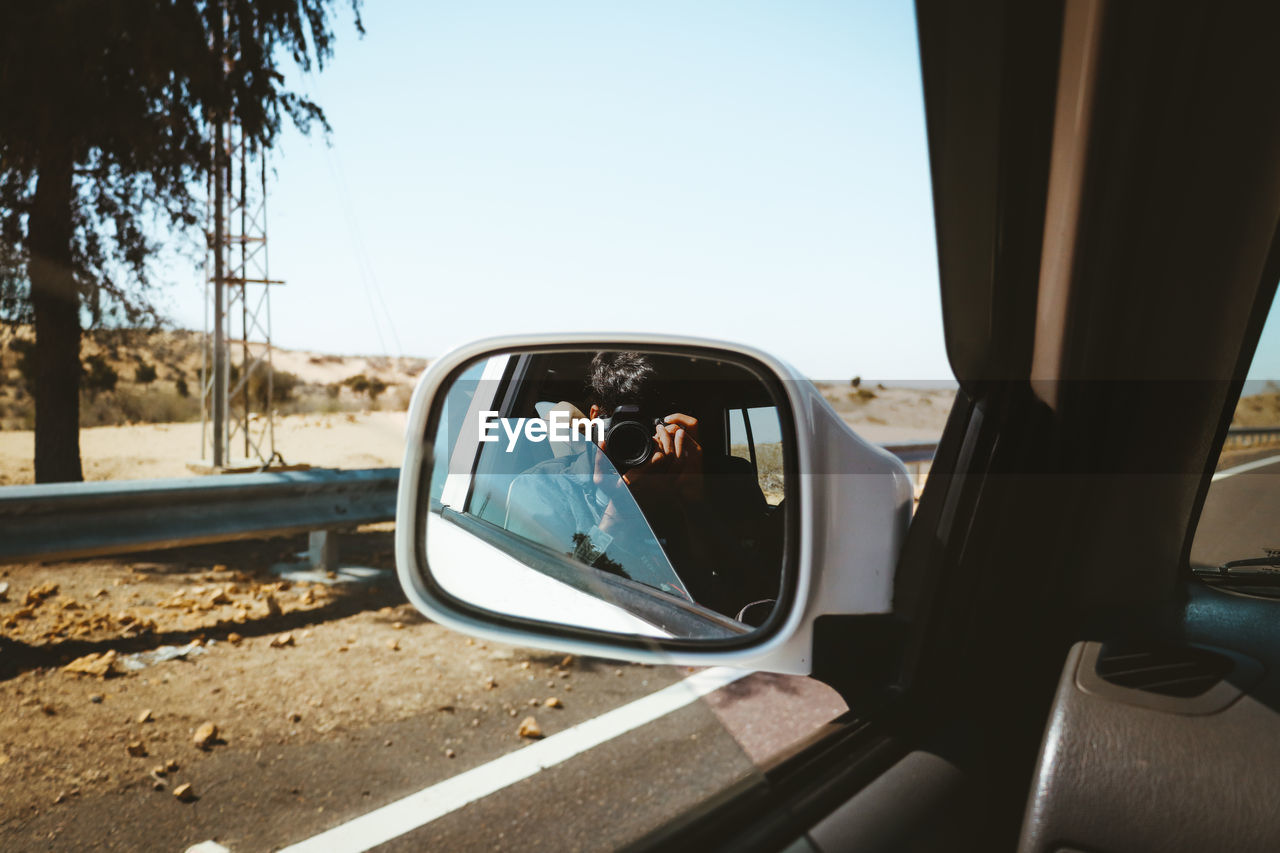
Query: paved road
1240,517
614,793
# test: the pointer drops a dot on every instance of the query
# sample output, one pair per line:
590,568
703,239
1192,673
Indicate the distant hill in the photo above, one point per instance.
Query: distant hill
1259,410
141,376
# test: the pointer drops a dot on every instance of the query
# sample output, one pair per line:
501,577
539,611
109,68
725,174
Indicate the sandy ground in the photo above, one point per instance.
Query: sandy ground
353,440
882,415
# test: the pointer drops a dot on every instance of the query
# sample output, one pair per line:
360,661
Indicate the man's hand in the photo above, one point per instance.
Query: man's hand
676,466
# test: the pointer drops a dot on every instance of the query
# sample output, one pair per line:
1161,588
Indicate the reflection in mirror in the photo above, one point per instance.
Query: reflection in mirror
637,493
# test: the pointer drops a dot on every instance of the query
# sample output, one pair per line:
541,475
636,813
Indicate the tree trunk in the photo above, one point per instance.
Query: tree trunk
56,301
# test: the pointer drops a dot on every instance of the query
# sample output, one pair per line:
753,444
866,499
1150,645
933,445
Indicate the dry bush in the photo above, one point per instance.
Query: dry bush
130,405
769,468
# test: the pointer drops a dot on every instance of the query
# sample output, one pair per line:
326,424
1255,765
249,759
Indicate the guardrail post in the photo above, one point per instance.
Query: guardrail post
322,550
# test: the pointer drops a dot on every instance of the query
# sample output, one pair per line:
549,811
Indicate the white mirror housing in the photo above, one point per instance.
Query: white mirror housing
850,507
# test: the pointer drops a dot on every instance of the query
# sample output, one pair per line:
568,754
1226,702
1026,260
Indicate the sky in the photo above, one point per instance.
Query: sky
753,172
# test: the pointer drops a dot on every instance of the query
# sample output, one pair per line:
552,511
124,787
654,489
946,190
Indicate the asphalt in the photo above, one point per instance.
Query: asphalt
607,796
1239,519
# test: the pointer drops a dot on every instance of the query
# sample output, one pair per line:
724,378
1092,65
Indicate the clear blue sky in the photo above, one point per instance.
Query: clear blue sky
747,171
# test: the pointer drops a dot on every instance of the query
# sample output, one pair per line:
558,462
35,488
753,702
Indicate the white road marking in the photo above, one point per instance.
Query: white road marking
395,819
1248,466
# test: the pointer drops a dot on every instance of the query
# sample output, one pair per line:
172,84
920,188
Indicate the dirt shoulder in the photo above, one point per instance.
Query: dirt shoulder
269,662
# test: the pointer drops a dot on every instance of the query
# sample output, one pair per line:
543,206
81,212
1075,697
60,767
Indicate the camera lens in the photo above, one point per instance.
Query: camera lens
628,444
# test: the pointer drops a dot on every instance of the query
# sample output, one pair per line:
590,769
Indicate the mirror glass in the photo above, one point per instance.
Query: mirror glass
635,492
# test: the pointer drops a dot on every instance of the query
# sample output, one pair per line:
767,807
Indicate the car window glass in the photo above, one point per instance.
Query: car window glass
525,489
455,406
1238,527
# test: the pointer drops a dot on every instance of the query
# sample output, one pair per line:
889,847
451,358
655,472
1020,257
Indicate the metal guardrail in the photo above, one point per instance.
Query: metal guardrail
71,520
64,521
1238,437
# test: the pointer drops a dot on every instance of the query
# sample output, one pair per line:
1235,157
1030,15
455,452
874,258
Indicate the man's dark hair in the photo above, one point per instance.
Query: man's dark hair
619,378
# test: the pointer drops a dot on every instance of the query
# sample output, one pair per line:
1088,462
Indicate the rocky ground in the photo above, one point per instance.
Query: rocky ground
131,674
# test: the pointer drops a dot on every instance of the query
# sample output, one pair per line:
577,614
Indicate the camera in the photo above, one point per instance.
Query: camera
628,438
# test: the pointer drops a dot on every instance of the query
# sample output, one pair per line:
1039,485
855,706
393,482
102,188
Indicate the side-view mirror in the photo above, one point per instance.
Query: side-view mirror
646,498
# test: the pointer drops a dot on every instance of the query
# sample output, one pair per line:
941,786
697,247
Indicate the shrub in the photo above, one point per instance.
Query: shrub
128,405
368,385
99,376
145,374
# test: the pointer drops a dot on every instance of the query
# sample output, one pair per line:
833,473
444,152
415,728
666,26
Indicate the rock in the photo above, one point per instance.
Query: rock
145,716
4,590
394,645
234,639
96,698
567,661
553,702
99,664
529,728
449,753
219,597
171,766
397,625
48,709
158,770
295,717
282,640
158,785
273,606
490,683
137,749
524,664
38,594
184,792
205,736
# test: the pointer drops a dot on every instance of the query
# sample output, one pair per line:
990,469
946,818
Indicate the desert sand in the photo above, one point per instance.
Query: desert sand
143,451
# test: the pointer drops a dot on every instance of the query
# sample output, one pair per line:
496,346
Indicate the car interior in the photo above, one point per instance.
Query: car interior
1054,676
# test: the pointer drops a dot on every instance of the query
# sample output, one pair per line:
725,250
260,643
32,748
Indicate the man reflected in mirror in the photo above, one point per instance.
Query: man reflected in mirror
704,510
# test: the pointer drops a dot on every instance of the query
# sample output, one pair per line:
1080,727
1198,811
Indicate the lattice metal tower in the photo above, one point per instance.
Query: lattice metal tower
238,426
